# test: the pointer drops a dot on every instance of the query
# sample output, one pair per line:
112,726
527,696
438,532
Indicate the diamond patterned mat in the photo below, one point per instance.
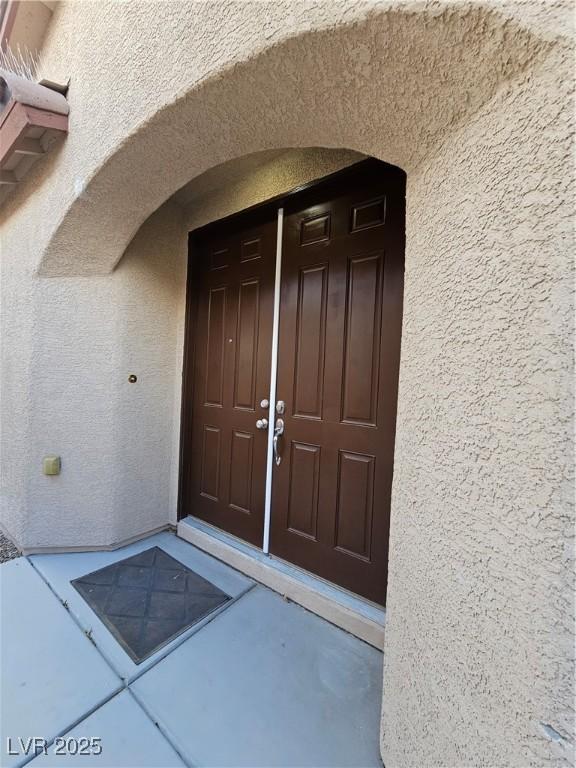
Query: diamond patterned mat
148,599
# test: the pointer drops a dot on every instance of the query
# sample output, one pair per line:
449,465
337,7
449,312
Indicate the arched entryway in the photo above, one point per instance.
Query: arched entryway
467,99
382,82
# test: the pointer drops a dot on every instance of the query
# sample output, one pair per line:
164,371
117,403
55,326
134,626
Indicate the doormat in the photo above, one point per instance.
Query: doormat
148,599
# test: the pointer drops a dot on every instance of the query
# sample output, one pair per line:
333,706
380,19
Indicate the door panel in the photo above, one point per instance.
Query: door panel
241,471
214,368
311,336
362,340
247,345
338,359
304,489
355,504
232,283
210,462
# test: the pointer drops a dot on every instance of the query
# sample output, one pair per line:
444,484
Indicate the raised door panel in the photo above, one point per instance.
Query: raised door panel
362,340
250,249
355,504
246,345
220,258
368,214
210,462
215,347
241,470
304,489
310,342
315,229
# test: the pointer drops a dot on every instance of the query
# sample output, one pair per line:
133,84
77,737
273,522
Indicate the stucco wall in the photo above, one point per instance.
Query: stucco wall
479,632
68,347
210,83
469,99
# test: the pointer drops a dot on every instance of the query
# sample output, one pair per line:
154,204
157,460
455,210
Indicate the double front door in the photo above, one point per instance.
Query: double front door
293,344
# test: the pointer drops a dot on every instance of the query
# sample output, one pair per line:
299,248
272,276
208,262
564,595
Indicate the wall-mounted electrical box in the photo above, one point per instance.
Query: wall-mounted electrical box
51,465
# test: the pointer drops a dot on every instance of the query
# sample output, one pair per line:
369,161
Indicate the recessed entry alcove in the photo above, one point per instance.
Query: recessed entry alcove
292,348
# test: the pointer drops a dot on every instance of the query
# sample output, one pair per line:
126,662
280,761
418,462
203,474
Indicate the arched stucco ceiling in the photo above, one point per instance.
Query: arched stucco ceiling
230,172
252,179
393,84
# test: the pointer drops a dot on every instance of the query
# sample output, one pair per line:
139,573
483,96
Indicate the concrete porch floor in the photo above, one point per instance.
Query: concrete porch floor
259,682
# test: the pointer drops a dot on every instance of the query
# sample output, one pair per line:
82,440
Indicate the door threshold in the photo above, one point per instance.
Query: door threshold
360,617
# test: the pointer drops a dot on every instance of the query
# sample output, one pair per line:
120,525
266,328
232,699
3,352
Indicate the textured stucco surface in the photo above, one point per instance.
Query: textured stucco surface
388,79
68,347
473,100
242,183
480,603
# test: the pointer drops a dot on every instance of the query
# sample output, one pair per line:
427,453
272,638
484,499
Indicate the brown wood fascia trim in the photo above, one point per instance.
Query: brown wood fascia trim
11,129
17,119
43,118
5,113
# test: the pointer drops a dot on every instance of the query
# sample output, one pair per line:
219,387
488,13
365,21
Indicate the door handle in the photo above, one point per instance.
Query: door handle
262,424
278,432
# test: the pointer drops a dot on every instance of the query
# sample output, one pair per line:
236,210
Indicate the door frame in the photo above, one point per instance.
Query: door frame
272,206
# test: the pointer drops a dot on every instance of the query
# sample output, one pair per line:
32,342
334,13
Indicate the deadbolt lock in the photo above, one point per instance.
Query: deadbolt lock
264,403
280,407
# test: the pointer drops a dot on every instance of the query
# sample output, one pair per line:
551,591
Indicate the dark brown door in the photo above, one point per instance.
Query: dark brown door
339,346
230,319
